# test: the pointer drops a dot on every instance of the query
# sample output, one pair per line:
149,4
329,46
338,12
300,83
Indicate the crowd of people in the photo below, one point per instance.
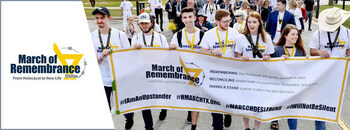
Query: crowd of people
234,29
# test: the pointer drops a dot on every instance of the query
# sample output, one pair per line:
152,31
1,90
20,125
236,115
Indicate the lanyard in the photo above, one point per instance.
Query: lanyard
279,19
108,39
225,46
255,47
131,30
178,7
144,39
240,28
332,44
188,41
211,9
286,51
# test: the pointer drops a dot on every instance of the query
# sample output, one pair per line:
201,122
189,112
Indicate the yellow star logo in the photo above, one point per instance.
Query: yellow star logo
64,57
231,43
342,43
194,70
114,47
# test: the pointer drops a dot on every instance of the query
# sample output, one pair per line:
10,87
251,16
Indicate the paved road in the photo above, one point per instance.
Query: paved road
176,119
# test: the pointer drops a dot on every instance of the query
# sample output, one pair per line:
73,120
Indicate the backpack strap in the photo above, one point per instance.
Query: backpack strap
179,38
160,38
201,34
319,37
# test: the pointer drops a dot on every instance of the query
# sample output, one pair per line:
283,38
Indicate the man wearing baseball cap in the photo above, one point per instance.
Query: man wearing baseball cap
105,38
331,40
151,39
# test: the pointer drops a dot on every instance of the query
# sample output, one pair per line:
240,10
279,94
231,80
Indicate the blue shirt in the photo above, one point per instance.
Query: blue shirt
279,51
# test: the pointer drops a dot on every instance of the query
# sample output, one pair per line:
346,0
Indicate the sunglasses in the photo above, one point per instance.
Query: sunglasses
238,16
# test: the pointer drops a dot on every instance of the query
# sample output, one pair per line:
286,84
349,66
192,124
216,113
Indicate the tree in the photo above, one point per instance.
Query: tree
330,2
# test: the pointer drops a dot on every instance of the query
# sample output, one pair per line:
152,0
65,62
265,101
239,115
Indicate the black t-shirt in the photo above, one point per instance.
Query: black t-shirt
309,5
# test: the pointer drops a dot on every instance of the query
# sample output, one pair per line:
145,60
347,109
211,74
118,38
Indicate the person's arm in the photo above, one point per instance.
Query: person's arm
173,43
135,44
239,49
238,55
347,52
209,25
301,23
124,42
204,46
314,46
322,53
132,9
149,4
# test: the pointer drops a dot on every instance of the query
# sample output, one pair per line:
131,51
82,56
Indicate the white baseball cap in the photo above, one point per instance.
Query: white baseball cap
145,17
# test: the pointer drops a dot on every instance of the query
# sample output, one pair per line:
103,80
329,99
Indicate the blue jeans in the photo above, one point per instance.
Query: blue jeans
320,125
292,123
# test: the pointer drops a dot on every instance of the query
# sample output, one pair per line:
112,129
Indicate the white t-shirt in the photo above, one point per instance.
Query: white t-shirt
239,27
320,41
157,28
210,41
297,14
279,26
126,5
243,45
210,11
155,4
118,40
185,44
159,40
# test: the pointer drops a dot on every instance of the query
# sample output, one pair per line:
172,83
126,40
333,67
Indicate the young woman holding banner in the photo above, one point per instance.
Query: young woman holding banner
290,44
254,42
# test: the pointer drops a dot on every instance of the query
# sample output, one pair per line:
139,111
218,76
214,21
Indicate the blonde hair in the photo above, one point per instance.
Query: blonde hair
129,17
293,4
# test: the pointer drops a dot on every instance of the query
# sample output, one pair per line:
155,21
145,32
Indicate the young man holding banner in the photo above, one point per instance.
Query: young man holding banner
188,38
220,41
105,38
149,38
332,39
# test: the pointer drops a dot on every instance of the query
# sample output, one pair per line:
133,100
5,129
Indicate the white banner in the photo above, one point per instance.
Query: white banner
265,90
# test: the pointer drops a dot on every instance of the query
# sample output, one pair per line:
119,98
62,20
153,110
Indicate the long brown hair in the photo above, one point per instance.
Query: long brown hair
261,29
285,32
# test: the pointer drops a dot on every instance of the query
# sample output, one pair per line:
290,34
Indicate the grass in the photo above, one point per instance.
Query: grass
347,8
113,3
114,12
107,4
110,3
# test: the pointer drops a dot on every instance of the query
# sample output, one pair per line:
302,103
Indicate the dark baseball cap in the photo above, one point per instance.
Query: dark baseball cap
101,10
